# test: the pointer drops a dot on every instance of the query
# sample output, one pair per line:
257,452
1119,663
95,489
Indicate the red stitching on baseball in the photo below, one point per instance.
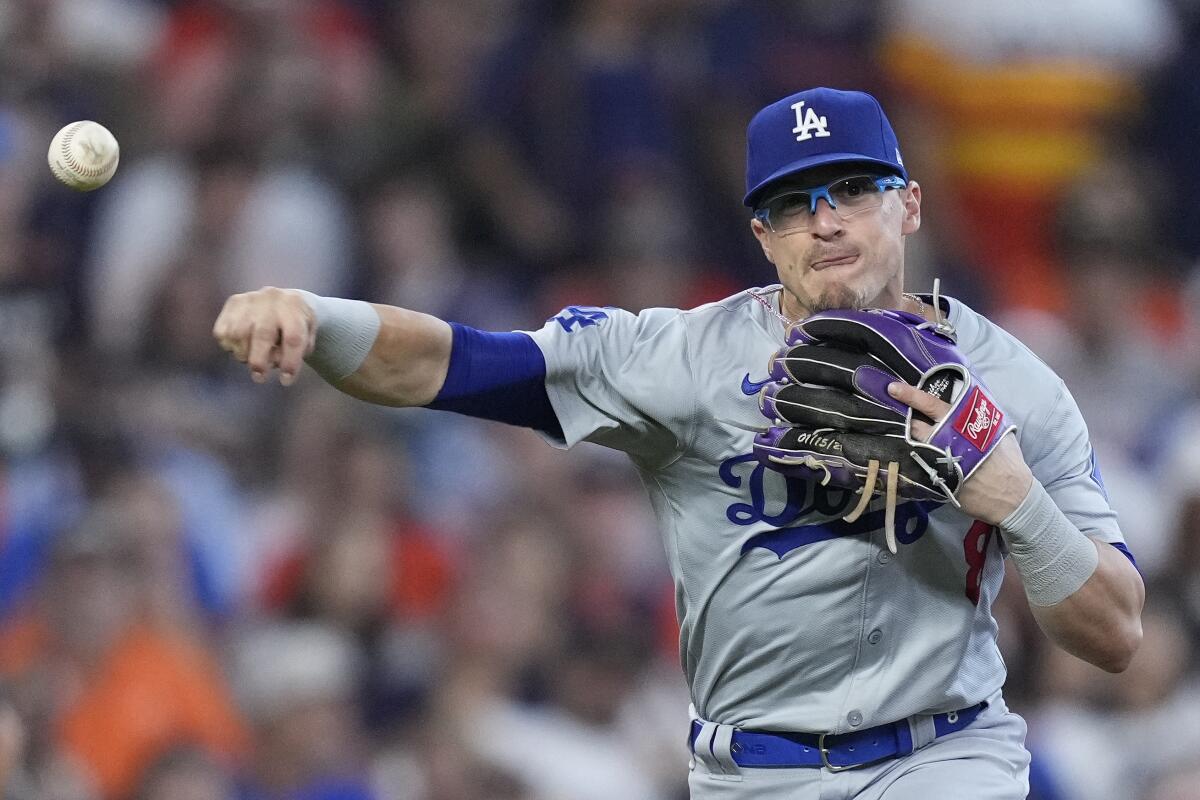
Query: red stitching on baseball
80,169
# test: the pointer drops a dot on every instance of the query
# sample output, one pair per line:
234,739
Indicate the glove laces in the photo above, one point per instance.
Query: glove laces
891,489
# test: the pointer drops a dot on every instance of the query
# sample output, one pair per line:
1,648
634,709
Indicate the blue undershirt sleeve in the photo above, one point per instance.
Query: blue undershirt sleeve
497,376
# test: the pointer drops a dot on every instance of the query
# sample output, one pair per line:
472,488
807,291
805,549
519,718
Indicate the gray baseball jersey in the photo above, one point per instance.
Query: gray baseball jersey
791,618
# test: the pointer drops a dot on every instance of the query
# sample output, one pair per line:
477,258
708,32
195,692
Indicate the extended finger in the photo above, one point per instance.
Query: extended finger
294,344
919,401
262,339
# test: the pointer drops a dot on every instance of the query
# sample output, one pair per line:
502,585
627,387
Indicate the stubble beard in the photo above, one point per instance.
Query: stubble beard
838,297
849,295
853,293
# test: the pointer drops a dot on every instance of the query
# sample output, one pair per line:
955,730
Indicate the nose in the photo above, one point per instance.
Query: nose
826,222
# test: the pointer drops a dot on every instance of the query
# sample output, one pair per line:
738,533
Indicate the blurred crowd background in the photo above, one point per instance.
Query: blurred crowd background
213,590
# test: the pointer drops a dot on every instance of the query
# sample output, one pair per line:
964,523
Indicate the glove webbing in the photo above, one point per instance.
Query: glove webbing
889,508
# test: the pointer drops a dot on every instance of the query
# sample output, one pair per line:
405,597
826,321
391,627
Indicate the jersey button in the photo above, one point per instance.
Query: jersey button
884,556
854,718
874,636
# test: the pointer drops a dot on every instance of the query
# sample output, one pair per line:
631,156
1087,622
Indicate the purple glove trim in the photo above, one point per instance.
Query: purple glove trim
766,400
775,368
872,383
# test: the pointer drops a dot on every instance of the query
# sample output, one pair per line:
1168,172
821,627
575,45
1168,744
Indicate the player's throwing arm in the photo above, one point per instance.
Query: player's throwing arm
382,354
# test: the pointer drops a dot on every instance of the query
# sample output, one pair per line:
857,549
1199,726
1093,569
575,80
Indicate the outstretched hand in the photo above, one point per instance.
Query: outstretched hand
999,485
268,329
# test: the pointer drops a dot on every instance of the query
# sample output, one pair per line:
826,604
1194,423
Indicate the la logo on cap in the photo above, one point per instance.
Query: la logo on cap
793,134
807,122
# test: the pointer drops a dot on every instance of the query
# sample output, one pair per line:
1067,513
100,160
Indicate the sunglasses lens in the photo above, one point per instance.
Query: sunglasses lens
794,211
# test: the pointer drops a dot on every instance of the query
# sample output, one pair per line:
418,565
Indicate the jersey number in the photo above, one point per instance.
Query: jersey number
582,316
975,548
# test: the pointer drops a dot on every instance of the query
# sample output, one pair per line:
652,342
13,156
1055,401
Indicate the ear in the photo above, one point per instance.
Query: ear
764,238
912,209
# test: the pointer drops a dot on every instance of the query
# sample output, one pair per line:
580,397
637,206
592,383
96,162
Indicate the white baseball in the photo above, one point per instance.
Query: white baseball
84,155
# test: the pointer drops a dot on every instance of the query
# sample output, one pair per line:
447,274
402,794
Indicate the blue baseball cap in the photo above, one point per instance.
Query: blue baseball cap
816,127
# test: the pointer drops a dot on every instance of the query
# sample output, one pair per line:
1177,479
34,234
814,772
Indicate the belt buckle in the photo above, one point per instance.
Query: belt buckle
833,767
825,756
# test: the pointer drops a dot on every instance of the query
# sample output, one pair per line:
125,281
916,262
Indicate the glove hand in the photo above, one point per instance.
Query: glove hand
834,419
1001,482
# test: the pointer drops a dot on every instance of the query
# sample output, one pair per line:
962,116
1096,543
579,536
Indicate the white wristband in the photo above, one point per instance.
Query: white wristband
346,331
1053,556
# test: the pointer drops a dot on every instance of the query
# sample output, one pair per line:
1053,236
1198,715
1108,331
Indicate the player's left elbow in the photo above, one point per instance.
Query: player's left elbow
1122,630
1121,647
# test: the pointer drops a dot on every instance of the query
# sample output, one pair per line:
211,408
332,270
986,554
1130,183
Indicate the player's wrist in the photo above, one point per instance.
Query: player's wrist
345,333
1015,483
1053,556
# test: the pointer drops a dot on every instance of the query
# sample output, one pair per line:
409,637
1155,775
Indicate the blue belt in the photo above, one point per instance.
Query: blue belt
834,751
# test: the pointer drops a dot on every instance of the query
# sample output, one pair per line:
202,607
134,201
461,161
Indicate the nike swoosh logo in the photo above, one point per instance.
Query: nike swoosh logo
750,387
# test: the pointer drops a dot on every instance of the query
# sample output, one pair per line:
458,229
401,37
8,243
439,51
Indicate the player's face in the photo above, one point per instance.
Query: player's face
842,261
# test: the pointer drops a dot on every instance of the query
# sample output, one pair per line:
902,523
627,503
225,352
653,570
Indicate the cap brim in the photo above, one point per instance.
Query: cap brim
818,161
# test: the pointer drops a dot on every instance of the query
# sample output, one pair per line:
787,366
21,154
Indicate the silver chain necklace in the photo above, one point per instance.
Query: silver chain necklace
942,324
787,323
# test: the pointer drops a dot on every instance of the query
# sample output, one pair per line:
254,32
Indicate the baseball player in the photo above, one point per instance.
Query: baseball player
821,664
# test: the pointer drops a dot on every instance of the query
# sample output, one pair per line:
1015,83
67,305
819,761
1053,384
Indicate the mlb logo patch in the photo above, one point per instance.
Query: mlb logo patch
979,419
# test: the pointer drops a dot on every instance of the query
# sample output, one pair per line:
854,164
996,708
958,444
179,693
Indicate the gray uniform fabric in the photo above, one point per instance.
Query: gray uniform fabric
792,619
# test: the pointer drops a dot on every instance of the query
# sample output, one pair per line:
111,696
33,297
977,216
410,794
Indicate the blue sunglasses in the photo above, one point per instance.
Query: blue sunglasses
792,210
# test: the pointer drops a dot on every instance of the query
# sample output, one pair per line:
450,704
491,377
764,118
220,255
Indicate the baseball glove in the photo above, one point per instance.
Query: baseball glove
833,421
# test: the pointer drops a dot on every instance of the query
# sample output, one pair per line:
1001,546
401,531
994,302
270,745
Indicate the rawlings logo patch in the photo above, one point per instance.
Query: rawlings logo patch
979,420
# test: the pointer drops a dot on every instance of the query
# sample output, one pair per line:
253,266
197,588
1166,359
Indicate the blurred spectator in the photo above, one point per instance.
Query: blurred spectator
370,571
288,228
1180,574
186,774
414,259
1114,264
106,690
1168,126
1157,700
581,753
1006,105
245,94
1179,784
546,147
12,745
104,33
297,683
38,499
